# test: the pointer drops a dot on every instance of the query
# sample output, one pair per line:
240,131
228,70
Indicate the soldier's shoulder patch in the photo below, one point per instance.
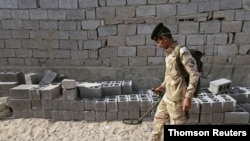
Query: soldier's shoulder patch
190,63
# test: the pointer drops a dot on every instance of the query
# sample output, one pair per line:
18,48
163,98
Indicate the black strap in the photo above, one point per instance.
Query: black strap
178,61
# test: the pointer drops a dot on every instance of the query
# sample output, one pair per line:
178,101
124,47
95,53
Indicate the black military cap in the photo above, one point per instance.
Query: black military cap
160,30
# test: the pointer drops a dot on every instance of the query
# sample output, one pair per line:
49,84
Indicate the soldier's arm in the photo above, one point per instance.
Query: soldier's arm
191,67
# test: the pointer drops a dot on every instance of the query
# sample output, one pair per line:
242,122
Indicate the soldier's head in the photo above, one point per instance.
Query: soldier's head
161,35
159,31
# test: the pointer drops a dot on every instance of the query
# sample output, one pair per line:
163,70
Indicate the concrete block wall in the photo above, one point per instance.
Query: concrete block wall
107,39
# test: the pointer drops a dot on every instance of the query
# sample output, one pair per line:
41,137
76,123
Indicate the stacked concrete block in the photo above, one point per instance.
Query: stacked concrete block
72,106
240,94
92,91
51,91
206,109
78,109
5,109
48,78
145,105
12,77
36,102
112,88
68,84
21,91
101,109
57,105
89,104
112,108
220,86
68,105
32,78
58,115
90,116
123,107
48,94
70,94
127,87
194,112
21,100
218,112
134,106
240,116
89,113
68,115
5,88
229,104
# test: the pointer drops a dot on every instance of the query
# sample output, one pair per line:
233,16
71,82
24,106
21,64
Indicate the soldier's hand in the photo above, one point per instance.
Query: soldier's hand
158,90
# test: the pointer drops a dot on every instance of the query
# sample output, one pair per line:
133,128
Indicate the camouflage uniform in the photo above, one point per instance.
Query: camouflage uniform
170,106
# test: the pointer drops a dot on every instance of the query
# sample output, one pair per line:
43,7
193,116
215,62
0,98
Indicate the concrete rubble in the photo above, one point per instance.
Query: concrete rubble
70,100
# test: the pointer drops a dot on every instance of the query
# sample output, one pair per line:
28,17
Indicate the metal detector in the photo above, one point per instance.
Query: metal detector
133,121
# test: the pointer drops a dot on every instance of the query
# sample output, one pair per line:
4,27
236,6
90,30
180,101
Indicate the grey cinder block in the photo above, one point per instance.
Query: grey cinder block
68,115
5,88
122,115
68,105
229,103
101,116
194,118
36,104
90,92
50,91
127,87
57,115
112,116
32,78
37,113
90,104
35,93
206,118
218,117
78,115
70,94
20,104
47,104
145,102
22,113
219,86
195,107
240,116
68,84
48,78
21,91
58,103
217,103
79,105
134,114
48,114
112,105
206,105
112,88
89,116
134,104
101,105
12,77
123,103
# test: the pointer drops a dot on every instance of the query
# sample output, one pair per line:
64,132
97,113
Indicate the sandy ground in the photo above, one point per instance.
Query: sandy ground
35,129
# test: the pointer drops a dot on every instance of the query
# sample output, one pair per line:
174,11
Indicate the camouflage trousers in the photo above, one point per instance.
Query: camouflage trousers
167,111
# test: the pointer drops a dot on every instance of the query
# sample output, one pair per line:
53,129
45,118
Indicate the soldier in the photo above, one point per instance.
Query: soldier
176,100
